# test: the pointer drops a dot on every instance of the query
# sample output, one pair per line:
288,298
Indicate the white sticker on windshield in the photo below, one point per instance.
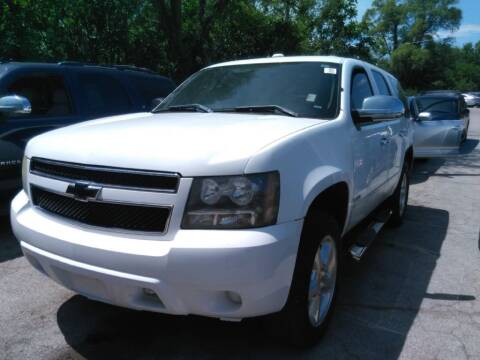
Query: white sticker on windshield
311,97
330,71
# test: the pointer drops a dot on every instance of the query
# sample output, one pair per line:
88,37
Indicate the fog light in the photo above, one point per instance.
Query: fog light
234,297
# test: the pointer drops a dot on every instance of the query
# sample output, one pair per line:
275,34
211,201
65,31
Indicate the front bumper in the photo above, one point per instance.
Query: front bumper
190,273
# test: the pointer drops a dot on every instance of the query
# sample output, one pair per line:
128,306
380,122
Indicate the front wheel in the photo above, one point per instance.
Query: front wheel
314,286
399,198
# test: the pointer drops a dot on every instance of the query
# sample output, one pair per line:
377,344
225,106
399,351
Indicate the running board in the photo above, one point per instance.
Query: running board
365,239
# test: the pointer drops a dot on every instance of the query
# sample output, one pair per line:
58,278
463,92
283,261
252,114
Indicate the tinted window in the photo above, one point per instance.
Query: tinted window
47,94
413,110
381,83
307,88
440,108
151,88
361,89
463,104
103,94
400,93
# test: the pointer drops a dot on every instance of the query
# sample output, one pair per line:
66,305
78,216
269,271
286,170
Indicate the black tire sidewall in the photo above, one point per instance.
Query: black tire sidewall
396,218
299,330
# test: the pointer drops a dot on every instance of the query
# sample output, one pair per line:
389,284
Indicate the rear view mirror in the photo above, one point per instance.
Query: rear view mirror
379,108
14,104
424,116
156,102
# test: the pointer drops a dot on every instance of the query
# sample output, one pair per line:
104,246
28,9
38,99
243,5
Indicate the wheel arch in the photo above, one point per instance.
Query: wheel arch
333,199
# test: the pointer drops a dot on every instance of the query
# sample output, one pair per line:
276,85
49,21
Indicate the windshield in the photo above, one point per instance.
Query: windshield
308,89
441,108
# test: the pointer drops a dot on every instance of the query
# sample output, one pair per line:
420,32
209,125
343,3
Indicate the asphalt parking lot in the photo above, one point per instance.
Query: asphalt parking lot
416,295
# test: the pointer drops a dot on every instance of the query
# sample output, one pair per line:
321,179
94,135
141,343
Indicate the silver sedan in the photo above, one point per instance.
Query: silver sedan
440,124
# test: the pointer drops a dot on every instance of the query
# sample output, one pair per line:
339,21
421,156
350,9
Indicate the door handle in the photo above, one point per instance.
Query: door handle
384,141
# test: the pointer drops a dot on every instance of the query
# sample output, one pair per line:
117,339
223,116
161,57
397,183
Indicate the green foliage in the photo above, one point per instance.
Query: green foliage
178,37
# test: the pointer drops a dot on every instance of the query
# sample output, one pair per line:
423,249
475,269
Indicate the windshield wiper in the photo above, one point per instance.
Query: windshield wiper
261,109
185,107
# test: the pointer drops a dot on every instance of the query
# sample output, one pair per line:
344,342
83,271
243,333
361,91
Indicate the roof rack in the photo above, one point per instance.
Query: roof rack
75,63
110,66
132,68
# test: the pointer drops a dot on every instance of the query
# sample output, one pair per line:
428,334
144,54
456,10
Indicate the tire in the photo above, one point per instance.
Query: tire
399,199
295,323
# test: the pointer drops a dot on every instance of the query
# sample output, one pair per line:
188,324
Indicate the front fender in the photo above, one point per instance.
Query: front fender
320,179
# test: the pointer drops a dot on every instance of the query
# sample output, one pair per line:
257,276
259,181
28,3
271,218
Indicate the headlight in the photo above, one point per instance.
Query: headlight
233,202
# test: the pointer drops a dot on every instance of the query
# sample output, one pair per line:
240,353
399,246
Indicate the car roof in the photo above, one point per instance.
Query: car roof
278,59
440,92
12,65
433,95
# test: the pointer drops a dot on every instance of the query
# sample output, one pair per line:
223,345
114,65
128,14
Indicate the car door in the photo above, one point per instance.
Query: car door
465,112
442,132
52,107
369,152
398,129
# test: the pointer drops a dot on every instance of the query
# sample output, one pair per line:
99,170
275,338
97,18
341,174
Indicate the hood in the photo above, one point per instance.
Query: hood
192,144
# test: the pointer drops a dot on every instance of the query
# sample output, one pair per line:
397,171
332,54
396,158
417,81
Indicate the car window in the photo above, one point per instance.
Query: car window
310,89
151,88
46,92
381,83
462,105
104,94
400,93
361,88
440,108
412,108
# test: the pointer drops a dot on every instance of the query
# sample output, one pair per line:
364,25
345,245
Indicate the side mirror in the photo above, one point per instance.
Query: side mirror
424,116
156,102
14,104
379,108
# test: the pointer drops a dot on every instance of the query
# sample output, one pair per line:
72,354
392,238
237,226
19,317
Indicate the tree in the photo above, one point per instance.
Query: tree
335,28
395,22
384,20
424,18
178,37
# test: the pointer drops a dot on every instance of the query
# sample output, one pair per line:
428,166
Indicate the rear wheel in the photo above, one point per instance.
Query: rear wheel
399,198
312,294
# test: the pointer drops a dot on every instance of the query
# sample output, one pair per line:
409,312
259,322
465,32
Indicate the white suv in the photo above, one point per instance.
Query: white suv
229,200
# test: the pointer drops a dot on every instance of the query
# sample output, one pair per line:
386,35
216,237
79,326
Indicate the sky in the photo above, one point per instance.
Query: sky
469,30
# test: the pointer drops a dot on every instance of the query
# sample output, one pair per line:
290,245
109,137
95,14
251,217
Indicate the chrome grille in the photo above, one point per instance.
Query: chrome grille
113,177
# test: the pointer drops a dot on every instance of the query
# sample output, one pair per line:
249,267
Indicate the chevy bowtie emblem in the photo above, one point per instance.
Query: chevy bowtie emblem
83,191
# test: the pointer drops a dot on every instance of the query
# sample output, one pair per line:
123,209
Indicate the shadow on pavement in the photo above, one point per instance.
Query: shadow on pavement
424,168
463,164
9,247
468,146
379,299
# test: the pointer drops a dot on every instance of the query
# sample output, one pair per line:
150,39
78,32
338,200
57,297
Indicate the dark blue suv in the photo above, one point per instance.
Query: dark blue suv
53,95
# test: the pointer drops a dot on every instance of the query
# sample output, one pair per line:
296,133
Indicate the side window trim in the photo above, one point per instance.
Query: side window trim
385,82
399,93
356,70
